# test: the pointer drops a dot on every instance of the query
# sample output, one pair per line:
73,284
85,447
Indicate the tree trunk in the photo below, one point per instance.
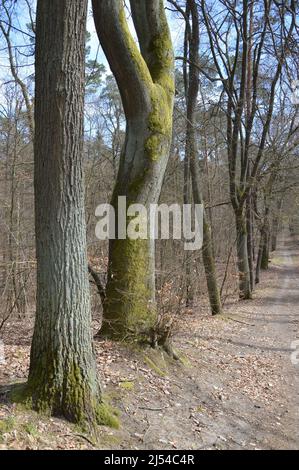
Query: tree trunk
129,308
275,224
242,255
265,237
265,251
210,268
192,154
264,247
187,197
145,79
274,238
258,262
250,247
62,377
187,255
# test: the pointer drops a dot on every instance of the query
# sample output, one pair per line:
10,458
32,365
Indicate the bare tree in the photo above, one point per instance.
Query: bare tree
244,165
191,91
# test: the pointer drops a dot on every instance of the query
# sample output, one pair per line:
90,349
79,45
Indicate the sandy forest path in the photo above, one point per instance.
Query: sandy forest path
241,389
237,388
264,412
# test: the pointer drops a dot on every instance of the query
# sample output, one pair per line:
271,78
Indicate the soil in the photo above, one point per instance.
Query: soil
235,387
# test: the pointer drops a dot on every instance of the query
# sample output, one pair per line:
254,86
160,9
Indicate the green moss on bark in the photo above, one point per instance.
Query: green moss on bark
69,394
159,81
128,309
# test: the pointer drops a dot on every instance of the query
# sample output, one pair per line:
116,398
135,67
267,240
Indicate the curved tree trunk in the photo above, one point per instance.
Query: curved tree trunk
62,377
146,82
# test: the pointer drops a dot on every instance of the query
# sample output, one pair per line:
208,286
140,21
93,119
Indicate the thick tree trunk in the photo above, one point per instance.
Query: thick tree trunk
62,377
129,309
146,82
242,256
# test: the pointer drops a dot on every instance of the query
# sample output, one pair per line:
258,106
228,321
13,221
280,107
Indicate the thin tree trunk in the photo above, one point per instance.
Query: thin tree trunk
242,255
250,248
258,262
265,237
275,225
191,151
265,252
187,256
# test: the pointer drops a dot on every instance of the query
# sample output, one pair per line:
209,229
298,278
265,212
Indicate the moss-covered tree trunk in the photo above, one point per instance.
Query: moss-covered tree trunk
62,377
145,78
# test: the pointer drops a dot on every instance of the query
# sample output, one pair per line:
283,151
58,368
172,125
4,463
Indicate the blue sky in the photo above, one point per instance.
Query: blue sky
21,18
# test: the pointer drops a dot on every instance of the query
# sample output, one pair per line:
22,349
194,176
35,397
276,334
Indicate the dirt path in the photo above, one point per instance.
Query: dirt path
236,389
265,414
241,390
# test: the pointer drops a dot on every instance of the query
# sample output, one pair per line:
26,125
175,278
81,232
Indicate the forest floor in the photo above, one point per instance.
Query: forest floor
236,388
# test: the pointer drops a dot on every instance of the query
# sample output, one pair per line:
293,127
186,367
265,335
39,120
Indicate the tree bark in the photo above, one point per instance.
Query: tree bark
62,376
258,262
192,155
250,239
265,249
145,79
275,224
242,254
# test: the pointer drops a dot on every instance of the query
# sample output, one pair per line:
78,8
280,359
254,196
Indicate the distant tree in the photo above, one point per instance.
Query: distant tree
93,69
250,59
192,91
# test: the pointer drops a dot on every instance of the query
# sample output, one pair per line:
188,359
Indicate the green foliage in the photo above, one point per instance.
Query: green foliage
30,428
107,416
7,425
127,385
94,71
93,75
